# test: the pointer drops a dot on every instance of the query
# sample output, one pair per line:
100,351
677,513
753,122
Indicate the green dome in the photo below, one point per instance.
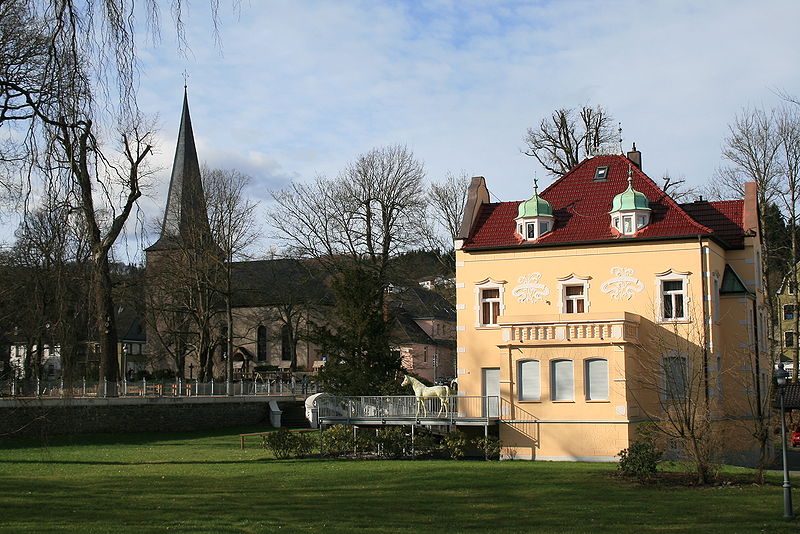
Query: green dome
630,199
535,206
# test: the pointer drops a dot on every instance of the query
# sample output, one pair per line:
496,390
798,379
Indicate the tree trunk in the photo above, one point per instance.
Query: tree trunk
106,323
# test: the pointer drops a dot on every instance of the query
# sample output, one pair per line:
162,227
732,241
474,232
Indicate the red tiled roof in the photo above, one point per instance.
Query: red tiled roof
581,206
724,217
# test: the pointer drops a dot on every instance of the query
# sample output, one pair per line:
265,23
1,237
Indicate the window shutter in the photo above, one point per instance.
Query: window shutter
529,381
597,375
563,387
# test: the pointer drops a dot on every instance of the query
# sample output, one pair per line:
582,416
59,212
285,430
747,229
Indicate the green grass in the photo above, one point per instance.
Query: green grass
203,482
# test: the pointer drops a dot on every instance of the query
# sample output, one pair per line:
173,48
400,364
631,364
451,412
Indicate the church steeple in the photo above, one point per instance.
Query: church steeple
185,216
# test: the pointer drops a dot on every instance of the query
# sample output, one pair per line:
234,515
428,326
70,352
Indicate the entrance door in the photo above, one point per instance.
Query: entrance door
491,390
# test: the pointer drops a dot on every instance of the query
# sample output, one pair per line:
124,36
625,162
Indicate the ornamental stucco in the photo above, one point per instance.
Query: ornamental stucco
623,285
529,288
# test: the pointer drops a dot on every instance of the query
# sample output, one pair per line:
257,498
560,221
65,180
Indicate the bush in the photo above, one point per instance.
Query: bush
392,442
304,443
281,443
490,446
455,444
640,460
338,440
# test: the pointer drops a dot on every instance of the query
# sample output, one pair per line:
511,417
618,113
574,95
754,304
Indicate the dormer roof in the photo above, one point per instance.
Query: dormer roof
535,206
630,199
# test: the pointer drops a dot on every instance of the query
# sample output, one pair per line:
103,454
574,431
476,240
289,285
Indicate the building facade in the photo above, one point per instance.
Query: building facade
602,303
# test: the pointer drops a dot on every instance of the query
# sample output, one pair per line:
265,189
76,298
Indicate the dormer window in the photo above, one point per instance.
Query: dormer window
534,217
630,210
601,173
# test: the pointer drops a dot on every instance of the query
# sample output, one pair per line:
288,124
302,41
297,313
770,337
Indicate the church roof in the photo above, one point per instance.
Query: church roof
280,281
185,214
420,303
581,207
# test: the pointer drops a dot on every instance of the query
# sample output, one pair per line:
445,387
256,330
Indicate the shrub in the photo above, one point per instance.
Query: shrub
281,443
490,446
640,460
426,443
455,444
304,443
392,442
338,440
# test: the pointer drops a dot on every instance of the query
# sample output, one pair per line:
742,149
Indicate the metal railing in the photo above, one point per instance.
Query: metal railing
152,388
386,409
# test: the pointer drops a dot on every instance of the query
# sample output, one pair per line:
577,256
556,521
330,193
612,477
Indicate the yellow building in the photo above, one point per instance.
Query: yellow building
601,303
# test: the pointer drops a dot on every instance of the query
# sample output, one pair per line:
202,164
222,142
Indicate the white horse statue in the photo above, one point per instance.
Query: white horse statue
422,392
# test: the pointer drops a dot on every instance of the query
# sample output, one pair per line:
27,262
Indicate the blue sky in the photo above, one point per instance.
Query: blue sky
299,88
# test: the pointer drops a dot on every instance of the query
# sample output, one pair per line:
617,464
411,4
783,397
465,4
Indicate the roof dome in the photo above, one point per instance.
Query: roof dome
535,206
630,199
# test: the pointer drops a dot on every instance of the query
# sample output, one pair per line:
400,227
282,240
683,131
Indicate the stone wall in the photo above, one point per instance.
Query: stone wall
34,417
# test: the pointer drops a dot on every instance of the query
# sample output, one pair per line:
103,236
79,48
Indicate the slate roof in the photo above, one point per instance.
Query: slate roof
581,205
421,303
269,282
186,203
406,330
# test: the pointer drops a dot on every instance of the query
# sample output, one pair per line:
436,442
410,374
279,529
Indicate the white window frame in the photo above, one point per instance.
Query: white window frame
554,391
673,276
488,283
573,280
520,389
587,379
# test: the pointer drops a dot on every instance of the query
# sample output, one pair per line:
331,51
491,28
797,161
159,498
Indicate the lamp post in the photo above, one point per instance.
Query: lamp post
781,378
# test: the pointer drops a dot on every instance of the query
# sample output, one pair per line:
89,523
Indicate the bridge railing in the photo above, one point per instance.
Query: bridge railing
152,388
407,408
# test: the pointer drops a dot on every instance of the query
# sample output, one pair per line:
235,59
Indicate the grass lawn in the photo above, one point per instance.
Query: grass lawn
203,482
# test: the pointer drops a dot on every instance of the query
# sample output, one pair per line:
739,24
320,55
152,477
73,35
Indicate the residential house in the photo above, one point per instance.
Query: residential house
601,303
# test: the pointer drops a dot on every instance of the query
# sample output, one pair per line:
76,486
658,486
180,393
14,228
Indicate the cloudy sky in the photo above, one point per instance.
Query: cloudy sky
299,88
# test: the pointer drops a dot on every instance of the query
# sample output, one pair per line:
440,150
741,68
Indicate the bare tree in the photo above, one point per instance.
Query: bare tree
446,205
369,213
234,229
752,150
788,134
677,188
567,136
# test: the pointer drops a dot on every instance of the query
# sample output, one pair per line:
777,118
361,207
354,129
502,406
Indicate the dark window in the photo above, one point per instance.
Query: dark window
788,339
672,294
261,343
286,343
600,174
788,312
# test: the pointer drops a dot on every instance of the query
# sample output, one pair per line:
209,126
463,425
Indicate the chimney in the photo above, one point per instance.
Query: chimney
750,216
636,157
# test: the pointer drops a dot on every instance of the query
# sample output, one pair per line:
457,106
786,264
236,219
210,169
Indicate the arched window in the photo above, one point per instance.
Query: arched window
286,343
261,343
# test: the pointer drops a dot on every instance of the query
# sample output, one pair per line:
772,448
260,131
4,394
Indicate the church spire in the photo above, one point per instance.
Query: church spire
185,217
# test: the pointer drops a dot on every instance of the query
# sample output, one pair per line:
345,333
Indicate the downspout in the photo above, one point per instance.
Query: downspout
704,275
511,392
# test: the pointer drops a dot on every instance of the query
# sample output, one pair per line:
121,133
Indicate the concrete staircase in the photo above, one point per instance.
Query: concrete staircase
294,415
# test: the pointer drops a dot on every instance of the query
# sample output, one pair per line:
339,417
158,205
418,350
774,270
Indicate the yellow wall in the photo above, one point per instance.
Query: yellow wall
600,429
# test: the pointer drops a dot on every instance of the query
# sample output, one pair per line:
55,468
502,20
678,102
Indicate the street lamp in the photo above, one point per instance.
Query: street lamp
781,379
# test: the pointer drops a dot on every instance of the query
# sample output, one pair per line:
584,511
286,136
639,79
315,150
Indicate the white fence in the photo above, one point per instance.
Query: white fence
153,388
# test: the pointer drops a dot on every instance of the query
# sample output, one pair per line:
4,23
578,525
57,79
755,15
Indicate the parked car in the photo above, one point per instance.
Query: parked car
796,437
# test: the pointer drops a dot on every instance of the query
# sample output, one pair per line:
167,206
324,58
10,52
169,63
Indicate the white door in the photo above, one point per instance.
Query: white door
491,390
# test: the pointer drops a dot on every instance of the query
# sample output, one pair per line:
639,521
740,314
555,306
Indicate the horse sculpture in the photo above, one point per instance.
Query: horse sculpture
422,392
